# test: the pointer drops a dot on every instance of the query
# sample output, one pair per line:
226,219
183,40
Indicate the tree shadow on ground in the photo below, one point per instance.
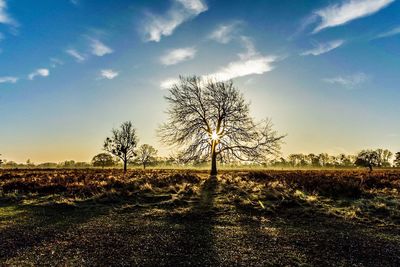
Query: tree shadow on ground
195,241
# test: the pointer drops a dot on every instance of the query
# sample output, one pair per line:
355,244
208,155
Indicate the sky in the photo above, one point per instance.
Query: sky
326,72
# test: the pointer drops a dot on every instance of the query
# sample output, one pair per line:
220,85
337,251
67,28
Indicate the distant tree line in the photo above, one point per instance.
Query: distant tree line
147,156
365,158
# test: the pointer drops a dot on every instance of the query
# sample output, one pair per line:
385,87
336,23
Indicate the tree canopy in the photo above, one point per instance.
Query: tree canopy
211,120
103,160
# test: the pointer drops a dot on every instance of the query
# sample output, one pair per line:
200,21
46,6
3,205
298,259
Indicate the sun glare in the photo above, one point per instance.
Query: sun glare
214,136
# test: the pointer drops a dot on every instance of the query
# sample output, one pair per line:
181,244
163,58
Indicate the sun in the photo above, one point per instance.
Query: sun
214,136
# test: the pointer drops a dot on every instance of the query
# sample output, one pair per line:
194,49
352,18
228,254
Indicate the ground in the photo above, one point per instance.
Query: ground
176,218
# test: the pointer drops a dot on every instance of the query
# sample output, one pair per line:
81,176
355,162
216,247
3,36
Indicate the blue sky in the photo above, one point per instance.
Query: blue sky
326,72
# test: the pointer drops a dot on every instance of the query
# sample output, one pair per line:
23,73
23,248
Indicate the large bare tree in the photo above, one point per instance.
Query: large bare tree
122,143
211,120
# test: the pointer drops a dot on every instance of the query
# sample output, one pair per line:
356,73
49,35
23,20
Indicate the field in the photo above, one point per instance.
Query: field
170,218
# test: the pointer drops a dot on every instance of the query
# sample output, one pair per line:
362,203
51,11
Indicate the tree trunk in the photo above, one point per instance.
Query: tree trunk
144,166
125,163
370,167
213,159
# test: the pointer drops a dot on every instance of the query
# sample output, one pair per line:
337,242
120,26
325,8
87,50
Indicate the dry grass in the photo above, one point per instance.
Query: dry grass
55,213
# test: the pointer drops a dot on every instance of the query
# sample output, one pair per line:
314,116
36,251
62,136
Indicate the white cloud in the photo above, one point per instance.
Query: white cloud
389,33
39,72
348,10
8,79
323,48
349,81
6,18
99,49
240,68
75,54
157,26
250,62
175,56
74,2
224,33
108,74
168,83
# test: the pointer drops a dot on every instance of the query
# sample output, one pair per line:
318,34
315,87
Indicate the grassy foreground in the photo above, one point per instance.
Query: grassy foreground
175,218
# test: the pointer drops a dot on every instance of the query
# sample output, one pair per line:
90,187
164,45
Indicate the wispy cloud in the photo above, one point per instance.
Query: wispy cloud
39,72
157,26
349,81
168,83
108,74
250,62
99,49
8,79
342,13
74,2
175,56
389,33
225,33
243,67
6,18
56,62
322,48
75,54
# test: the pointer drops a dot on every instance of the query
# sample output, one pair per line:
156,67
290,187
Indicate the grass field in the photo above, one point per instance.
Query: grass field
184,217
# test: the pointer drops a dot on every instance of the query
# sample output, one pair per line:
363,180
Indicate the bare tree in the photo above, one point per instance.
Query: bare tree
146,154
396,161
1,161
211,120
122,143
384,156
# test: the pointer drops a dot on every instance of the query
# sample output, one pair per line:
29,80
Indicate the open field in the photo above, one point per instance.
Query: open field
171,217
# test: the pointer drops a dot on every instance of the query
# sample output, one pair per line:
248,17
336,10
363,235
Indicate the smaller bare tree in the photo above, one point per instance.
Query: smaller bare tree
122,143
396,161
146,154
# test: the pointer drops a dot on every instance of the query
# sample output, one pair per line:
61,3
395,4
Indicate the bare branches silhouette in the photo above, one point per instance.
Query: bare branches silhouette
211,120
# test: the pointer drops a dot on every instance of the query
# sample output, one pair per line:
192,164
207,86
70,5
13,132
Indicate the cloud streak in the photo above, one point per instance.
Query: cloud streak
157,26
320,48
250,62
108,74
40,73
224,33
349,81
175,56
99,49
8,79
340,14
76,55
389,33
6,18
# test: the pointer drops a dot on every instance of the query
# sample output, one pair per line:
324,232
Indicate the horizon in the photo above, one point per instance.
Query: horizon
72,70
